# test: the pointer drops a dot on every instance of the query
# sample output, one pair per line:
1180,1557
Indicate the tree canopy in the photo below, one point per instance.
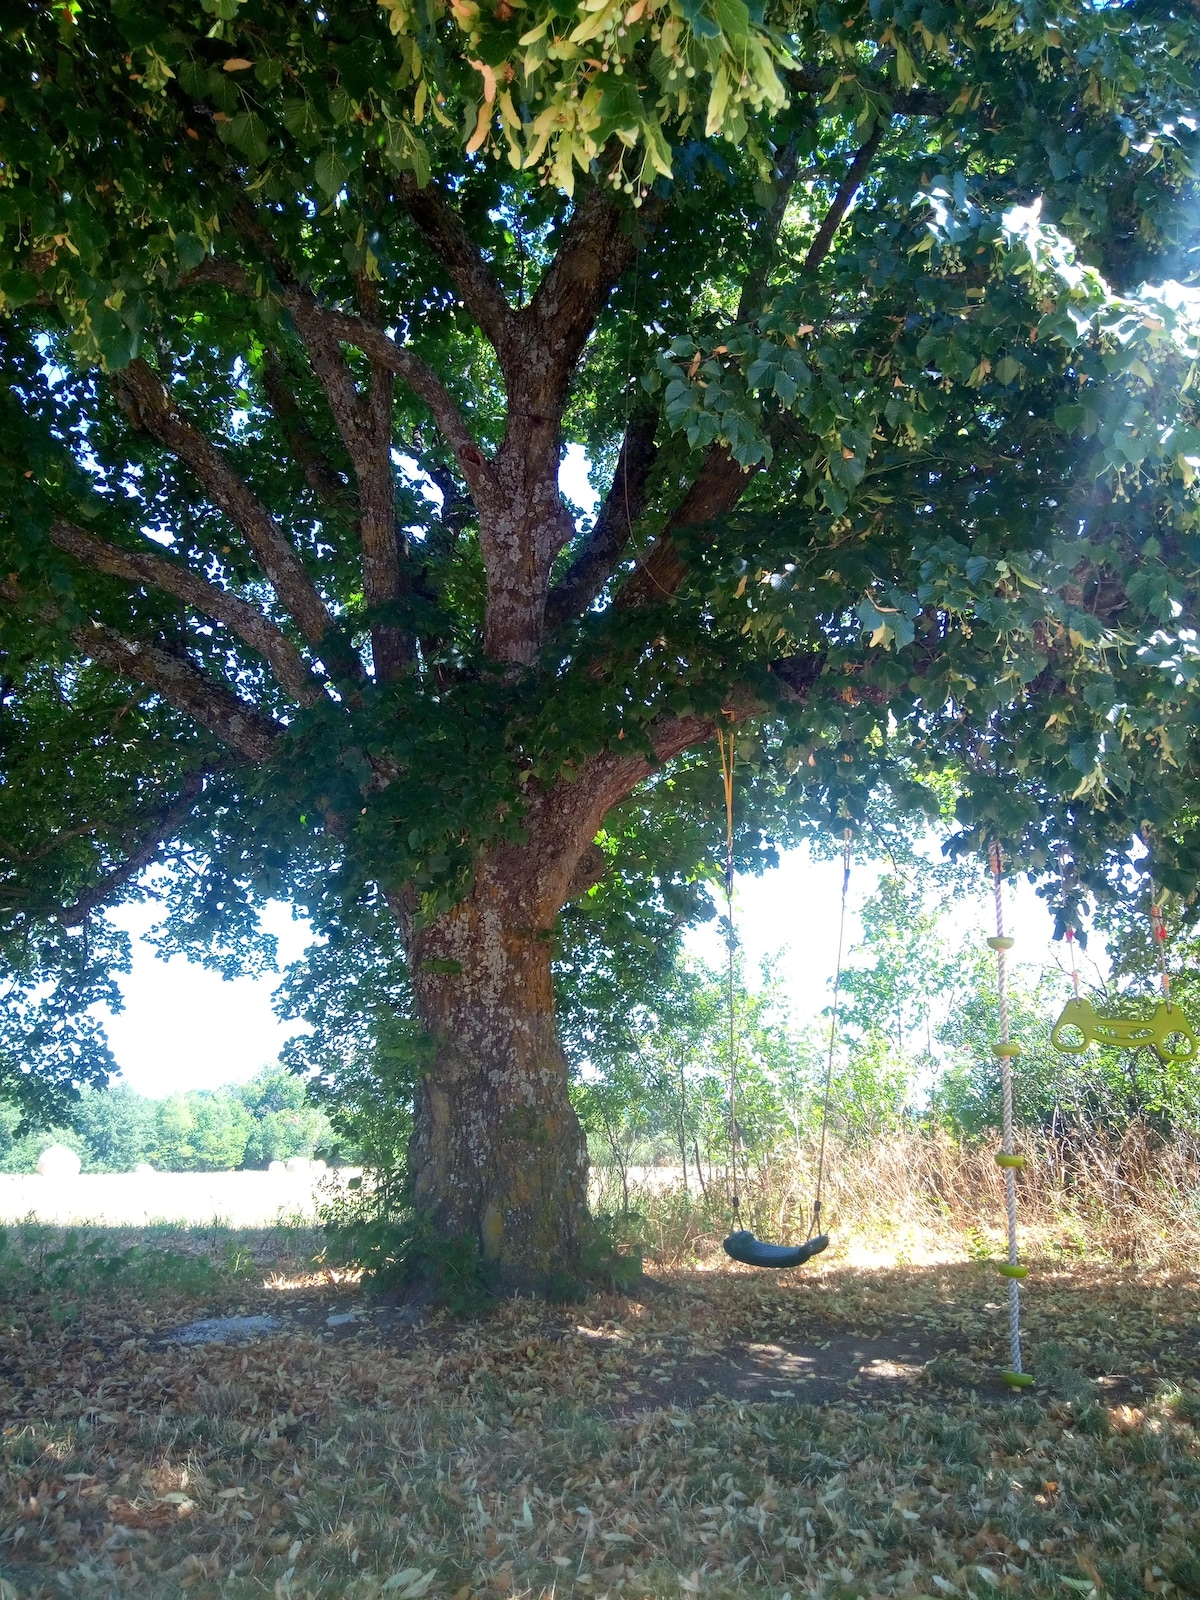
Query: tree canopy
873,324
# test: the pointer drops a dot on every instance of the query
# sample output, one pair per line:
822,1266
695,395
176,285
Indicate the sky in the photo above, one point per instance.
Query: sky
184,1027
792,912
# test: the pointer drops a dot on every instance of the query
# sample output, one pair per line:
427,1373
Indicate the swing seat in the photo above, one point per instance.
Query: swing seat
751,1252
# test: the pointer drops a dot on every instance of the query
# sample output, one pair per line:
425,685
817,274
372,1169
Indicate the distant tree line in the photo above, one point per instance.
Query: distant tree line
244,1126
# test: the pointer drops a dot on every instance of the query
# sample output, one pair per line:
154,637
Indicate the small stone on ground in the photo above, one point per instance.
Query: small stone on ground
223,1330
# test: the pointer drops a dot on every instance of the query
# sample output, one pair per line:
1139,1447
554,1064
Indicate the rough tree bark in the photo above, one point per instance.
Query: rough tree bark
497,1153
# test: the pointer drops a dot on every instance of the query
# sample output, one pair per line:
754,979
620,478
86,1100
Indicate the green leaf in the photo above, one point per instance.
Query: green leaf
248,132
302,120
330,171
190,250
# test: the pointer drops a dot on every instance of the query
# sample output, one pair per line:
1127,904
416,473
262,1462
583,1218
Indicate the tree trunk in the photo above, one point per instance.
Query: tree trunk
497,1153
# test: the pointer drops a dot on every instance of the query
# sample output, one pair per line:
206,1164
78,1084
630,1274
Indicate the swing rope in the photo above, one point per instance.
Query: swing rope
1158,927
1008,1158
741,1244
815,1225
725,745
1074,964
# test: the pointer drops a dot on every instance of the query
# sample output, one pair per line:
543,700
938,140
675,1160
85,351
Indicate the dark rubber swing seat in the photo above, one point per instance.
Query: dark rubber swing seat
752,1252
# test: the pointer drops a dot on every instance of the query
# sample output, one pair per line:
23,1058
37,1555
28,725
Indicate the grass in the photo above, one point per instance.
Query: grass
65,1267
533,1453
921,1195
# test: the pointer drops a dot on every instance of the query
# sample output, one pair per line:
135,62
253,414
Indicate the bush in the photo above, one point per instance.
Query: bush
40,1260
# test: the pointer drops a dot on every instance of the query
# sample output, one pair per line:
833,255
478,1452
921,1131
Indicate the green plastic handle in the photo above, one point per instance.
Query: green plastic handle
1166,1031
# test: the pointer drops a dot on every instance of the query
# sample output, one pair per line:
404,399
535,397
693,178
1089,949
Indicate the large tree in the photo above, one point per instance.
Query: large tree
302,304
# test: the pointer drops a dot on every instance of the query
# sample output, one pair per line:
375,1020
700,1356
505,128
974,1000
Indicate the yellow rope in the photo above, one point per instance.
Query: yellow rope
814,1225
725,745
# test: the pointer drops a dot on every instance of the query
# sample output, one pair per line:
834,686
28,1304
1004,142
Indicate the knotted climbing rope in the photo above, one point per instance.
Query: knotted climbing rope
1008,1159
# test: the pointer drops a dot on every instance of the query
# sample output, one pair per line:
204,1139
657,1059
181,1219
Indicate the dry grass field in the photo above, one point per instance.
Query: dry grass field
197,1199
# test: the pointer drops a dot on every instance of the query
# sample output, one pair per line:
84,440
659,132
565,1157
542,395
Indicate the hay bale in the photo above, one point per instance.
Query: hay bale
57,1161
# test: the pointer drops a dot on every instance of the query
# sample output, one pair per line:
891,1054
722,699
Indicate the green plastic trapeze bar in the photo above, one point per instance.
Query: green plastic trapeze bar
1166,1031
1018,1380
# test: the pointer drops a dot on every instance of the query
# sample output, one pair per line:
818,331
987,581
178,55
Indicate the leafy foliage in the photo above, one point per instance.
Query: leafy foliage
918,1017
298,315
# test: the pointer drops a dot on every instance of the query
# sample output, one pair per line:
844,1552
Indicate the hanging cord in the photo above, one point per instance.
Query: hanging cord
1074,967
1158,928
815,1224
725,745
1008,1159
637,264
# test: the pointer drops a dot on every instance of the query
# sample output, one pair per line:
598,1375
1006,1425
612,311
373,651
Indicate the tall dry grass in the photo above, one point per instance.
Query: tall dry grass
920,1195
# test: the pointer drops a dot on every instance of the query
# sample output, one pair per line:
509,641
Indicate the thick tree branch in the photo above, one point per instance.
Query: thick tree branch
596,249
150,407
563,820
183,686
161,572
426,385
319,473
613,528
440,225
847,189
523,532
159,827
365,424
714,492
375,344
